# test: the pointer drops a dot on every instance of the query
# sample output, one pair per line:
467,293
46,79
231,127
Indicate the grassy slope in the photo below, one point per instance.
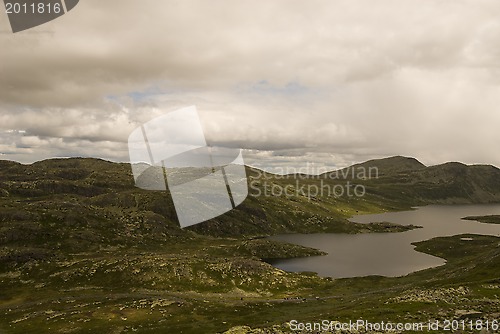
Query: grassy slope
82,249
166,293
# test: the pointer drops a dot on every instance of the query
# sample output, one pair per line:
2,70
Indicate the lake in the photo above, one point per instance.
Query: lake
387,254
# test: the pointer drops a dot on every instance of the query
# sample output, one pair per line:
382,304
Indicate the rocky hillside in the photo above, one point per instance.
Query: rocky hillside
83,250
87,201
449,183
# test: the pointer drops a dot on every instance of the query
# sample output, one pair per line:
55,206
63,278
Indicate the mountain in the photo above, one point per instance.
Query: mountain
448,183
105,191
83,250
385,166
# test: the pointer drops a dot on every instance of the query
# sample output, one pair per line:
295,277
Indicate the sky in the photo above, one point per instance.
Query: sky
325,83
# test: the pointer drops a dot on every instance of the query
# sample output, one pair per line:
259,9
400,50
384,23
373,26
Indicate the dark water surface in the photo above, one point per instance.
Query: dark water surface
387,254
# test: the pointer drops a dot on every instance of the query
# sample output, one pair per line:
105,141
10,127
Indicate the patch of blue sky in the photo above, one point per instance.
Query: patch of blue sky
139,96
264,87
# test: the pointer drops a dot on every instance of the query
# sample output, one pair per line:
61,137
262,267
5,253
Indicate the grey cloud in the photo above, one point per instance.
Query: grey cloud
200,44
345,80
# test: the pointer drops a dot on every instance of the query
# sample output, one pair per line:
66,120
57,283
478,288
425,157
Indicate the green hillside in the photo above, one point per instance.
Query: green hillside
83,250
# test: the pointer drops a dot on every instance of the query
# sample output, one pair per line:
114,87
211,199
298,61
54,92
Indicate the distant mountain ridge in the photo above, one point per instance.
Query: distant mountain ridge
98,190
447,183
391,165
401,164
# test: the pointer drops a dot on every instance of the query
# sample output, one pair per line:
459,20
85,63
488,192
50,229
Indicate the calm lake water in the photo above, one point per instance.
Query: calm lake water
387,254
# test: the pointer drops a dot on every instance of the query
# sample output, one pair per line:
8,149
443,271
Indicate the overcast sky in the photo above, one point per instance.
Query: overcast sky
330,82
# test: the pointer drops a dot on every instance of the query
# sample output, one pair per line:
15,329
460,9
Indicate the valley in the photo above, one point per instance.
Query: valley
82,250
